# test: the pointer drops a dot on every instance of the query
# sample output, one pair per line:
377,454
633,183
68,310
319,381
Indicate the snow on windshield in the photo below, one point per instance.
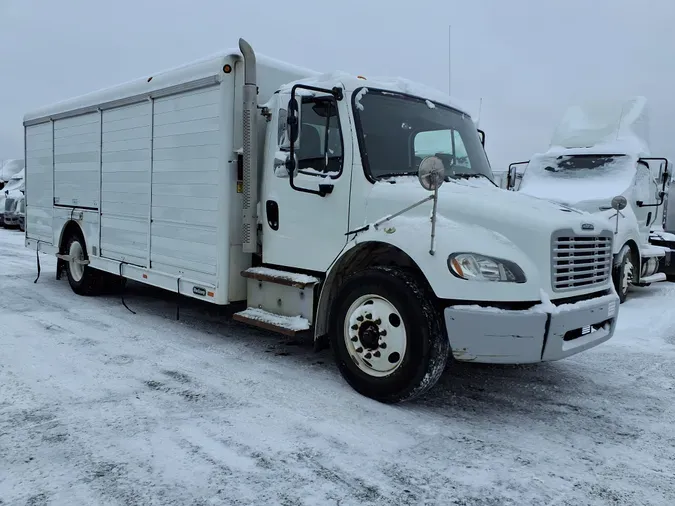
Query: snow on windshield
576,178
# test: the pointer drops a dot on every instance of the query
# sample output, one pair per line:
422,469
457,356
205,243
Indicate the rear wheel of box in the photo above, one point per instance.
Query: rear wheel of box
83,279
387,335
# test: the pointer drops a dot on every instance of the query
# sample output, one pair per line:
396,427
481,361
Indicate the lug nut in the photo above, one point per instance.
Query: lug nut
378,321
359,318
367,356
383,333
383,345
359,350
355,327
369,316
377,354
354,339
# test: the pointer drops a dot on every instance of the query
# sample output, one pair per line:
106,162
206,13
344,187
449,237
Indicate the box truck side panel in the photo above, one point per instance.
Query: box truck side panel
76,160
125,183
185,184
39,182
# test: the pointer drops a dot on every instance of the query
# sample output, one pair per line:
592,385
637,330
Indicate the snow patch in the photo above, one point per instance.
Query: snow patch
545,306
359,96
295,323
663,236
430,104
11,168
605,121
285,275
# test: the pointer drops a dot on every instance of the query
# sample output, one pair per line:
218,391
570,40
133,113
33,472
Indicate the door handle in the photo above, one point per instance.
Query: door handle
272,212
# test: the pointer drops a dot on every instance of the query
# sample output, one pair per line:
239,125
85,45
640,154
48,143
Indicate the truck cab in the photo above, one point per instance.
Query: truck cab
595,169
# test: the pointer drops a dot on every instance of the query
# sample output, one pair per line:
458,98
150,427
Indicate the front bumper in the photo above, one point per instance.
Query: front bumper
498,336
11,220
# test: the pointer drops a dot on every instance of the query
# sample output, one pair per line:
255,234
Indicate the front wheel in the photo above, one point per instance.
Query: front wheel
387,335
624,273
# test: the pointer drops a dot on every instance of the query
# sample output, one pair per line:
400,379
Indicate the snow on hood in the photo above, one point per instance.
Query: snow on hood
577,185
11,168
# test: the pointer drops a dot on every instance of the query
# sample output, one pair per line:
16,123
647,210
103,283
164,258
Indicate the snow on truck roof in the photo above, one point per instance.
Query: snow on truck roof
395,84
212,66
209,66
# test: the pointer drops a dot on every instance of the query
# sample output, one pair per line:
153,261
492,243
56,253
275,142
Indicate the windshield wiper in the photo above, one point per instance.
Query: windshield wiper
397,174
468,175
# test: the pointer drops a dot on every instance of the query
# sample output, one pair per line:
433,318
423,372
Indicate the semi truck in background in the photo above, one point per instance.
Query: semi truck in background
358,210
599,161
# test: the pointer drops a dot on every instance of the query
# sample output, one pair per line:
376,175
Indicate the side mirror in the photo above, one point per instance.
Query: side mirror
284,165
511,178
431,173
481,136
619,203
293,120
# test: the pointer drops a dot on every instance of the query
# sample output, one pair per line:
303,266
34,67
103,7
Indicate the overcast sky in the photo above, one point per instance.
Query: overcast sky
528,59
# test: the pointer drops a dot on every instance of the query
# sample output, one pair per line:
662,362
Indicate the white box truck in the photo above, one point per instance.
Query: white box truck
313,199
600,151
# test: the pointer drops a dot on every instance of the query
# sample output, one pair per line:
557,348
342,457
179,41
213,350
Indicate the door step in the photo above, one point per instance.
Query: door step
280,277
654,278
286,325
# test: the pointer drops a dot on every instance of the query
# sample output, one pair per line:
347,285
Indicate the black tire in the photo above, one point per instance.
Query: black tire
627,262
427,346
92,280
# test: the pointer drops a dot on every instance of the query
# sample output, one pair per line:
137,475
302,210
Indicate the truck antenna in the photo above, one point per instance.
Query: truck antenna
449,59
480,109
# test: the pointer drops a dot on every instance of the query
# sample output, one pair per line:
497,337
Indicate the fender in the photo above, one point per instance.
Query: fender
407,240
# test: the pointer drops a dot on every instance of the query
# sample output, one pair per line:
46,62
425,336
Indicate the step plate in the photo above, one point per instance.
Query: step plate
280,277
286,325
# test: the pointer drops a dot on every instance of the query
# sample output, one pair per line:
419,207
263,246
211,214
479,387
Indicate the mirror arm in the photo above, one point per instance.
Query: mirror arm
641,203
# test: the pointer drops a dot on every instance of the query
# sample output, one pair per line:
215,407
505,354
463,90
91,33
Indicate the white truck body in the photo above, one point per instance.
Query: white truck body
164,181
600,151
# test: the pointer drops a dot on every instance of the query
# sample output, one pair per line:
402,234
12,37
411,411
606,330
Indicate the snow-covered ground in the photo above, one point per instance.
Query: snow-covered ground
101,406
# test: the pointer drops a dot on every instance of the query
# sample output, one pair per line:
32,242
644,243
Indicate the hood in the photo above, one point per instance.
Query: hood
475,204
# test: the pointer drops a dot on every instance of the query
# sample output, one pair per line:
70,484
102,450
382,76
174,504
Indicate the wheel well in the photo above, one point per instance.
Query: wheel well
363,256
71,228
635,251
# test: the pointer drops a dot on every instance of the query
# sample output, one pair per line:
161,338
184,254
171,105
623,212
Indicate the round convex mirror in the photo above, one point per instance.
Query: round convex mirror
431,173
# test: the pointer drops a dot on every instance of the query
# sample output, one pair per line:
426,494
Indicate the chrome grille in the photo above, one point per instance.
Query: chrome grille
580,261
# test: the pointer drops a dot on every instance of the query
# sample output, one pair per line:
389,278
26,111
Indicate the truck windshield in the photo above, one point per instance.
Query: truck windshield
396,132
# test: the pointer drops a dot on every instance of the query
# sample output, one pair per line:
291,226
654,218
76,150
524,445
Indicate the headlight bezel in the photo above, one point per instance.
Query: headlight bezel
504,267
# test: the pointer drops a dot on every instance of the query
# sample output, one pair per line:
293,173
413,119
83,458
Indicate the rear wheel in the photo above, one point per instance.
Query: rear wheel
387,336
83,279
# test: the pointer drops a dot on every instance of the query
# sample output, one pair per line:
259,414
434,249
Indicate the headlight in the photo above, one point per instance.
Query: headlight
475,267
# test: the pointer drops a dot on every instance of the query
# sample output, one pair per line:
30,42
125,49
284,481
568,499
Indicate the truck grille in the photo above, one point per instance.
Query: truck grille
9,203
580,261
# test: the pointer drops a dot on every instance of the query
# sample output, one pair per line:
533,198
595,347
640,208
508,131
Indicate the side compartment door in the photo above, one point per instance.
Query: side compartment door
301,228
39,177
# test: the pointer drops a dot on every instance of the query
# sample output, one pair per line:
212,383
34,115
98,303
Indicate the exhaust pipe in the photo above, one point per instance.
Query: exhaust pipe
250,156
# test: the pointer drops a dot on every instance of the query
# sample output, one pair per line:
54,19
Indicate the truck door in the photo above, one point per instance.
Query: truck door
304,224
